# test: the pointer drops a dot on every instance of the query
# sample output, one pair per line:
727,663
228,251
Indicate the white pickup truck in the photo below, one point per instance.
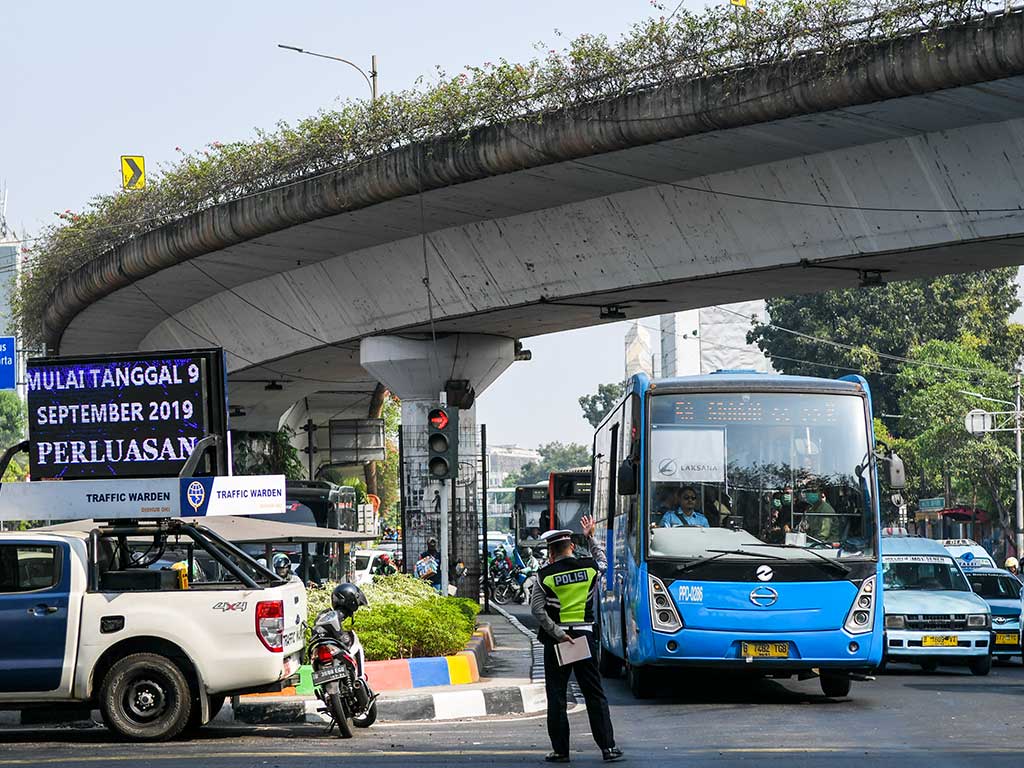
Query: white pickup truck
104,618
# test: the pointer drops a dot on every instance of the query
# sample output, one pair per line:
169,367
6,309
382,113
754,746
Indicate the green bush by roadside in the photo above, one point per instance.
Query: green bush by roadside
406,618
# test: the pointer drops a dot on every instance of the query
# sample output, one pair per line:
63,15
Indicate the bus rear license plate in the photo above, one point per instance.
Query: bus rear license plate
940,641
764,650
1006,638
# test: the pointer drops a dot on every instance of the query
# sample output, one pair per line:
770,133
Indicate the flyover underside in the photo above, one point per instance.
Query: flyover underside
917,186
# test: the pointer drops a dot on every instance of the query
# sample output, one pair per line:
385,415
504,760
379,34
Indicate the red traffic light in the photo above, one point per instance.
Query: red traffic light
438,419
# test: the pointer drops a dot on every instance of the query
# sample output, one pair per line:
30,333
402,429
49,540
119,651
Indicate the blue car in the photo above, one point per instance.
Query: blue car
932,616
1002,591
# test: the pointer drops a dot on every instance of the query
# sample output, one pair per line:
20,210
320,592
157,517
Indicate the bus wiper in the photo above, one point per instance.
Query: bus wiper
722,553
844,569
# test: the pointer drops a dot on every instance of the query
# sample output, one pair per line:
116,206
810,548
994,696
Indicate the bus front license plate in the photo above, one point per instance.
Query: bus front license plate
764,650
940,641
1006,638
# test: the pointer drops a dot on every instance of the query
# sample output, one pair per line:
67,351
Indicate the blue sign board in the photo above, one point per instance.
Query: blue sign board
8,363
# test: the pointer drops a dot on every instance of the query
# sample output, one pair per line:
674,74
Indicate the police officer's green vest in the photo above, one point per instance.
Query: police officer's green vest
569,586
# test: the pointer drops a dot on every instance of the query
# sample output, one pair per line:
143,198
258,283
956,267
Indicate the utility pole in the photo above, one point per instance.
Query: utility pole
1020,491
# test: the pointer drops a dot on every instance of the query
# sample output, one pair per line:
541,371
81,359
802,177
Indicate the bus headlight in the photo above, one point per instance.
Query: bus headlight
861,616
977,620
664,617
895,621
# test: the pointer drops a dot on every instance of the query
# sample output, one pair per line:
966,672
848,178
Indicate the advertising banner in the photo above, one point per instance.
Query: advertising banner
132,415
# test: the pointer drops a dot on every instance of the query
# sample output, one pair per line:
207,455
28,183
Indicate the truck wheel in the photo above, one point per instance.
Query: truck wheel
340,712
145,697
980,666
835,686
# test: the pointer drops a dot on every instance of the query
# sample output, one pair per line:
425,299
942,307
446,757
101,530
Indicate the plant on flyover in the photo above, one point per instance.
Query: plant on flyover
587,70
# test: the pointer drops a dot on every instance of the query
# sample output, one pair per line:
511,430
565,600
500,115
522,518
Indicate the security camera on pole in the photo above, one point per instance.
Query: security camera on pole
978,422
442,466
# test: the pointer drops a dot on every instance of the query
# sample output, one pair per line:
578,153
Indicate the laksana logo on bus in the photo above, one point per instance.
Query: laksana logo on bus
573,577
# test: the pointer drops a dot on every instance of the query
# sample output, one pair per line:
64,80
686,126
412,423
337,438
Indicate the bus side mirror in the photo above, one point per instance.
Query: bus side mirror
627,481
897,471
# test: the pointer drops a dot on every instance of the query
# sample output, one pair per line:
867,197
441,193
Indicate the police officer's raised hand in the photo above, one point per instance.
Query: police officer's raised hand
587,524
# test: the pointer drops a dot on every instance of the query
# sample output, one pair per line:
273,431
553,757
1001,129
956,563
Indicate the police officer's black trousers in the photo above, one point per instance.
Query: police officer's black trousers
556,683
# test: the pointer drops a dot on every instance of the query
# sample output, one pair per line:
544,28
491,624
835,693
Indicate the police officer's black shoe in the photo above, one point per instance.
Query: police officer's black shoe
556,757
611,754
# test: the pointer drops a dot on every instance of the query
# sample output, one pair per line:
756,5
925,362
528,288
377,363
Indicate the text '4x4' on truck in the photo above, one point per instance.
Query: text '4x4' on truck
119,615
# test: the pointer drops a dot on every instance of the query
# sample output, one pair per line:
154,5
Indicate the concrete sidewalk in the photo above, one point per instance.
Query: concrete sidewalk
507,687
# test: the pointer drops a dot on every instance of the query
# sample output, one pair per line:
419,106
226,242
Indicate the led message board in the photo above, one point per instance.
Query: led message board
131,415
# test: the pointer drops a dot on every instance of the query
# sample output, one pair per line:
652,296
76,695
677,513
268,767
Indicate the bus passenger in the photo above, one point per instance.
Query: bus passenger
822,523
685,512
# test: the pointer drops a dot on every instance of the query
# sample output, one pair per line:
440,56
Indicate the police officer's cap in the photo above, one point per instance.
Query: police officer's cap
554,537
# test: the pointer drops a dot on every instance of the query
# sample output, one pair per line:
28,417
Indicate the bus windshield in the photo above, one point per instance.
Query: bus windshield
772,474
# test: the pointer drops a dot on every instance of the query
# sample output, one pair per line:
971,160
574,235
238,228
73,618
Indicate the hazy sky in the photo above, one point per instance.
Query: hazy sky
86,82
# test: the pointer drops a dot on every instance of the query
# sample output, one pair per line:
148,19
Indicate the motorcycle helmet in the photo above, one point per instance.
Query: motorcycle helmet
282,565
385,558
1011,563
346,599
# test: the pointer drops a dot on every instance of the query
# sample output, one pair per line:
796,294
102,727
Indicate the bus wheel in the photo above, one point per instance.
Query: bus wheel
609,664
835,686
980,666
641,681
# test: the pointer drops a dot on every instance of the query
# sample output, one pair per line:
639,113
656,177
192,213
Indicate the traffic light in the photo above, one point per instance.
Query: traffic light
443,443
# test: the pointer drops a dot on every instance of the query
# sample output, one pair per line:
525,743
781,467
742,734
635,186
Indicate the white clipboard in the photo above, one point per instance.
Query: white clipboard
571,651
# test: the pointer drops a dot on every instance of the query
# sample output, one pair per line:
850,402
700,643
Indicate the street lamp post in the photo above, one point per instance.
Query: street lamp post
1017,425
371,78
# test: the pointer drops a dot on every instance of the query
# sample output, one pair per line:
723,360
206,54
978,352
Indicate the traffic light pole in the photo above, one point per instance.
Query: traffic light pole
444,544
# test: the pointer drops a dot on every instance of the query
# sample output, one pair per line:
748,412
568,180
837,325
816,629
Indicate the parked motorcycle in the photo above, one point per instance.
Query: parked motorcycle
339,664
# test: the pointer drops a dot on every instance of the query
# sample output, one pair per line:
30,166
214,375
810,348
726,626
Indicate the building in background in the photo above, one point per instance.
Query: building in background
700,341
504,460
639,354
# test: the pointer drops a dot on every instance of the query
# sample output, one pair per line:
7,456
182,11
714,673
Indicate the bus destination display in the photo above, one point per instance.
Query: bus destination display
121,416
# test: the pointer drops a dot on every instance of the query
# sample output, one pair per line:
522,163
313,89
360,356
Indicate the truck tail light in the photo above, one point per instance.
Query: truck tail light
270,624
324,654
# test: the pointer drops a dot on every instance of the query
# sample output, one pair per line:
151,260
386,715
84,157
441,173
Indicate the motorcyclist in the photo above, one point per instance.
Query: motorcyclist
385,567
282,565
1013,566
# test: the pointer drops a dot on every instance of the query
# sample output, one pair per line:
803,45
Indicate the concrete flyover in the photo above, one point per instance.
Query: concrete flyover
910,160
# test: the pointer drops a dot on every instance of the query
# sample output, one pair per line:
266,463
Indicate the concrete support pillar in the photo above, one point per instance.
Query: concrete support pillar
417,372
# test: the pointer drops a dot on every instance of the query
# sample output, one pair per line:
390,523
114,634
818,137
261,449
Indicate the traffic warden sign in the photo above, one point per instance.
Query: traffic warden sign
133,172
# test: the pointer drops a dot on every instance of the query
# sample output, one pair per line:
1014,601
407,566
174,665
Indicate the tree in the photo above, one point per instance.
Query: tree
978,471
554,457
595,407
266,453
13,419
892,320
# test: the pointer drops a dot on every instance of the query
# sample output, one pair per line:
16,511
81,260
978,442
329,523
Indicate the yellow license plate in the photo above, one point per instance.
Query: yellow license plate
940,641
1006,638
764,650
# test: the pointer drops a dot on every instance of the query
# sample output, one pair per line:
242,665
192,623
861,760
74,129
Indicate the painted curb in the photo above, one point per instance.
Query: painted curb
443,705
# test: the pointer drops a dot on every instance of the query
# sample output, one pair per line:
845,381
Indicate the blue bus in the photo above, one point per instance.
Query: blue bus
740,512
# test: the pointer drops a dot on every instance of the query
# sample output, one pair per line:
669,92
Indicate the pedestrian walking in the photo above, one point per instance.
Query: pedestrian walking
562,600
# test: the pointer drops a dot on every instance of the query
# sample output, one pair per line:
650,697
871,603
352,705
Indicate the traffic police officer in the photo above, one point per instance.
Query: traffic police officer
562,600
